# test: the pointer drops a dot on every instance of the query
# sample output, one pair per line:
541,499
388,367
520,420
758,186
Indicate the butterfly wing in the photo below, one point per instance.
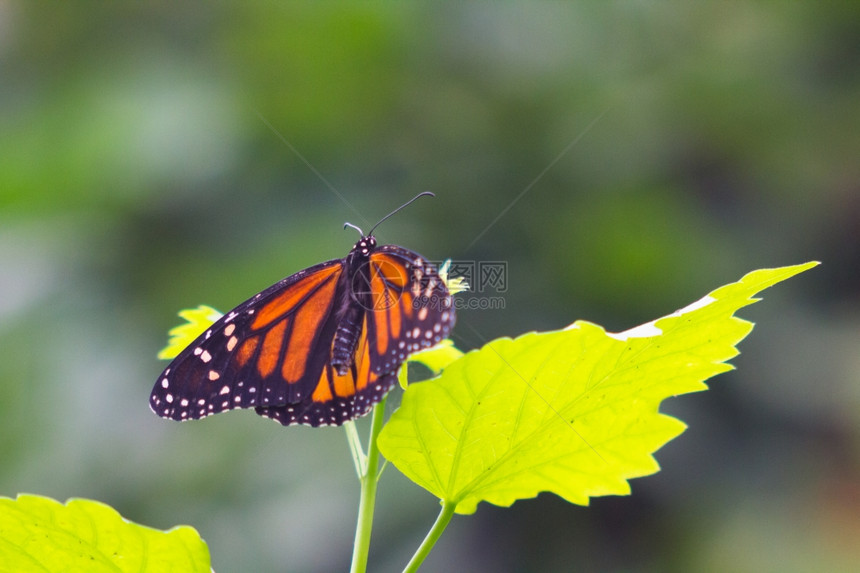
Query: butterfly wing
338,398
412,307
406,307
271,349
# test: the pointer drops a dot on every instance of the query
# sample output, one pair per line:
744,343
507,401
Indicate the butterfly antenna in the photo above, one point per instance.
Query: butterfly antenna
360,232
399,208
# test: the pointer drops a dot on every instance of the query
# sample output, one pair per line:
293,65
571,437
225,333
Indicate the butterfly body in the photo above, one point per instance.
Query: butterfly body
320,347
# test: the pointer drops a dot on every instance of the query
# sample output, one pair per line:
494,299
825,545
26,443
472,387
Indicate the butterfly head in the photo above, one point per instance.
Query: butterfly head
365,245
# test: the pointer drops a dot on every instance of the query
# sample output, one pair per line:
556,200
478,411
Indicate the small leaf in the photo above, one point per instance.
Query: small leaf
574,412
40,534
436,358
198,319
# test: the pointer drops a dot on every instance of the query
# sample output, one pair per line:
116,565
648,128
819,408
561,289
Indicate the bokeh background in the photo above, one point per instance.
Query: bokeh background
623,159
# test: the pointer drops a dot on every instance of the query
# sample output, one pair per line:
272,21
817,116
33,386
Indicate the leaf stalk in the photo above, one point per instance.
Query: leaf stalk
433,535
369,482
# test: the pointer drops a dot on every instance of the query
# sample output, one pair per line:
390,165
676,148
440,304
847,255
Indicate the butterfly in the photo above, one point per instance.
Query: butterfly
318,348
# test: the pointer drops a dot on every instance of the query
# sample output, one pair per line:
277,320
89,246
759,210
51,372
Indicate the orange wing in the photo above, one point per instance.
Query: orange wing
412,307
406,307
270,350
337,399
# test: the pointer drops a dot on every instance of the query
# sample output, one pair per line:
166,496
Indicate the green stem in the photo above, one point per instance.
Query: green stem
432,536
361,547
359,459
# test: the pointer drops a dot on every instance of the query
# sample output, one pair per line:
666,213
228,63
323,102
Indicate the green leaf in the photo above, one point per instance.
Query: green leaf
40,534
436,358
573,412
197,320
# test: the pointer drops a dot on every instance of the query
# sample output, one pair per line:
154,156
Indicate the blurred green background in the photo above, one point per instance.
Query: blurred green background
623,159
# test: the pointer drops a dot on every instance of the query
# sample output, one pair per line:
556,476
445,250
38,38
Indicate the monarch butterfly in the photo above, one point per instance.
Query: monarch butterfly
320,347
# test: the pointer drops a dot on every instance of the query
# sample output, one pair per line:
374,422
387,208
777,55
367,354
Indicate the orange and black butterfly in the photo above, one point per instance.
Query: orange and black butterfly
320,347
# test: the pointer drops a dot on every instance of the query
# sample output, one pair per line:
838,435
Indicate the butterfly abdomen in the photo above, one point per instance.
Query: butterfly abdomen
353,304
345,340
